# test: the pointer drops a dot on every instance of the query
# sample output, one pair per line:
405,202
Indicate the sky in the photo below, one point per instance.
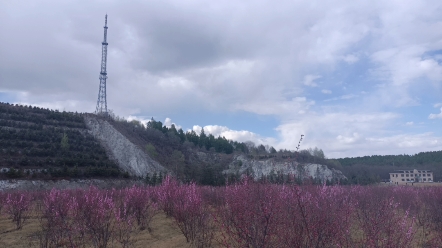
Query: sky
354,77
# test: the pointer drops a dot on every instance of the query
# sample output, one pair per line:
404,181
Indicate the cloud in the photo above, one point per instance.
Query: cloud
168,123
436,116
143,121
350,58
240,136
309,80
252,57
290,107
354,137
343,97
409,123
350,135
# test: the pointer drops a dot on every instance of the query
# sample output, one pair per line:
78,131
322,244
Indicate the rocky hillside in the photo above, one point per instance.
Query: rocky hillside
37,143
129,157
269,167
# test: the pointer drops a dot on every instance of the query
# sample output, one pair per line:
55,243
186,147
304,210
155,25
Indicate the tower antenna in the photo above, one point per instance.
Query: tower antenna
101,102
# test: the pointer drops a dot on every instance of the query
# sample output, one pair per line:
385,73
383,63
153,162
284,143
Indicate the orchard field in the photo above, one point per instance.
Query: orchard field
247,214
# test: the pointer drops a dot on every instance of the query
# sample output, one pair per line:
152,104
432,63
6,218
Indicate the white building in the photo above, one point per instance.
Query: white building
404,176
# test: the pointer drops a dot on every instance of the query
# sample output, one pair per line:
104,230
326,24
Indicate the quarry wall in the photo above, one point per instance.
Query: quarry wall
129,157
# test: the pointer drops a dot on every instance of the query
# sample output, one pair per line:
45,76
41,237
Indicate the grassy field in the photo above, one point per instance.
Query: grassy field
164,234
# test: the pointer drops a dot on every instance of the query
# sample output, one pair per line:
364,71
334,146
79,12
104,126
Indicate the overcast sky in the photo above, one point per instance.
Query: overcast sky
355,77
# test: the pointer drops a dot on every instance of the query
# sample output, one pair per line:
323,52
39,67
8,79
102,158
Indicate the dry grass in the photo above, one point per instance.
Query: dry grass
164,234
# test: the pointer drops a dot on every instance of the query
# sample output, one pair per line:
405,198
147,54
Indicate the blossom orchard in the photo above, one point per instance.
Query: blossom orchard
245,214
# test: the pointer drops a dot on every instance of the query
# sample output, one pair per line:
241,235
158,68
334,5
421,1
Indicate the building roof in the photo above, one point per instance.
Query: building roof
411,171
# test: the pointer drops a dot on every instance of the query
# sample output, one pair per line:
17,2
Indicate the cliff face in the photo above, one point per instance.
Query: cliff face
130,158
258,168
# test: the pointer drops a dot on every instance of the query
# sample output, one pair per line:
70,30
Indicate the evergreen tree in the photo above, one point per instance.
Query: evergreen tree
64,142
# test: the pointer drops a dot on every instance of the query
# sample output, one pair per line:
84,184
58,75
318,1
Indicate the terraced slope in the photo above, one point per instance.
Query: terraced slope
43,143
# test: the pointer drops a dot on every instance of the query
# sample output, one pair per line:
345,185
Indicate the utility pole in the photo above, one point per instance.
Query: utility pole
101,102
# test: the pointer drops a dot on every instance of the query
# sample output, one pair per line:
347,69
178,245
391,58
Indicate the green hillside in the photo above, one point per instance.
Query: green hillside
42,143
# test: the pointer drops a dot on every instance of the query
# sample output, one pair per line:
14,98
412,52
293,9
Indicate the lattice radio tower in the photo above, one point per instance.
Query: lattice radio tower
101,102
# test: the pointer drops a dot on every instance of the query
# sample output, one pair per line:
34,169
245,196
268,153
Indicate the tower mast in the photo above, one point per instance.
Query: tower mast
101,102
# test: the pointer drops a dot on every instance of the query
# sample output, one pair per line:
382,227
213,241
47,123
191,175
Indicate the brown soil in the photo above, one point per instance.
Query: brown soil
164,234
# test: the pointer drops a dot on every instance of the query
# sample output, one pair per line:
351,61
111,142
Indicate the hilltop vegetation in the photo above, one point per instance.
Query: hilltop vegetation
417,160
42,143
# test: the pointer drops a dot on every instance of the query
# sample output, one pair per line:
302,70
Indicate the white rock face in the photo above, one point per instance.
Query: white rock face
241,164
130,158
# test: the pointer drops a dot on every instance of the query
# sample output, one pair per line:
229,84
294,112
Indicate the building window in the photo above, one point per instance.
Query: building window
428,174
402,175
403,179
406,175
425,179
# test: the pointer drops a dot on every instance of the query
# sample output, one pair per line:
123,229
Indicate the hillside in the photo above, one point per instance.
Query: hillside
173,149
48,144
43,143
211,160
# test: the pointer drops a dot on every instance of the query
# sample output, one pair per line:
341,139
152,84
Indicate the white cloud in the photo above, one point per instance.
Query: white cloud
240,136
309,80
436,116
408,143
354,137
350,135
168,123
348,96
343,97
409,123
335,133
350,58
165,59
279,108
142,120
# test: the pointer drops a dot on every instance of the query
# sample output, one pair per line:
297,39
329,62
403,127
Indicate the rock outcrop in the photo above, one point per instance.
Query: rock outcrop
258,168
129,157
